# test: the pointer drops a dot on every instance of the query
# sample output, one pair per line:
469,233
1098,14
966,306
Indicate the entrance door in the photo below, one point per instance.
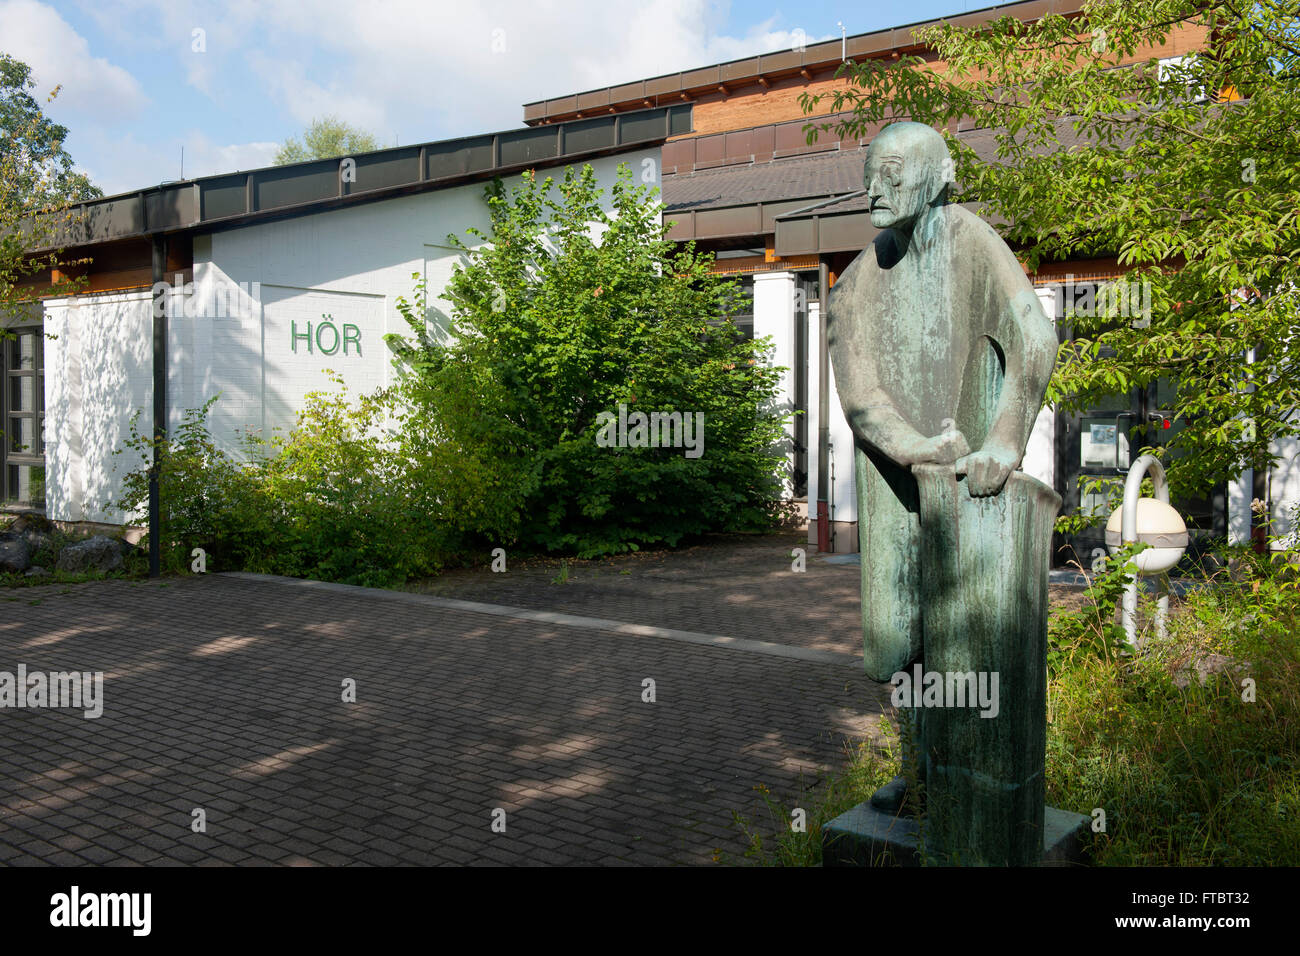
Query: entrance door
1102,442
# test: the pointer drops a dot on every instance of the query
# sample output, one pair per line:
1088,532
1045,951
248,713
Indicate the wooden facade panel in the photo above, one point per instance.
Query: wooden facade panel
741,70
753,105
736,221
594,100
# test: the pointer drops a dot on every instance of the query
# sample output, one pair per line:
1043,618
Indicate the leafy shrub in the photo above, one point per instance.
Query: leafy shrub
341,497
552,326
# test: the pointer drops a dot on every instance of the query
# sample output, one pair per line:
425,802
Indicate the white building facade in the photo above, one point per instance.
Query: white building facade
263,313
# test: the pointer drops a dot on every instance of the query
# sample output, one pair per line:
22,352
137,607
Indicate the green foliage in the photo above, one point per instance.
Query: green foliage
551,325
1092,630
342,497
39,173
326,138
211,499
36,174
1197,196
489,436
1189,771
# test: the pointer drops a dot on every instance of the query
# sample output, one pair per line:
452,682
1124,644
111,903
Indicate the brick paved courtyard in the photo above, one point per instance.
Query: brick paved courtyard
223,693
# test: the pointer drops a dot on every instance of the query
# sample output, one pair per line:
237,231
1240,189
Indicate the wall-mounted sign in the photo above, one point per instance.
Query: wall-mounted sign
328,338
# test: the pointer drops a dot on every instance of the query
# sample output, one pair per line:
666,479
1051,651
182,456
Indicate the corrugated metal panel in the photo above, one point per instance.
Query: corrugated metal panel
588,134
458,157
739,69
594,100
851,231
819,57
680,120
628,91
796,237
736,221
640,127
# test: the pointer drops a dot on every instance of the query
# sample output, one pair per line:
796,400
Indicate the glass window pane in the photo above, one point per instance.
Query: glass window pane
25,351
21,437
1103,442
26,485
22,393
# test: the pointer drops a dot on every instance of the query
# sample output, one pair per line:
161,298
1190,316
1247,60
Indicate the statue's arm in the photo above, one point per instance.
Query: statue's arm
872,415
1029,347
878,423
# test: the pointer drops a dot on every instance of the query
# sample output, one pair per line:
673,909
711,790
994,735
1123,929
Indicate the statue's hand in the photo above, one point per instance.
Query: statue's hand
986,471
943,449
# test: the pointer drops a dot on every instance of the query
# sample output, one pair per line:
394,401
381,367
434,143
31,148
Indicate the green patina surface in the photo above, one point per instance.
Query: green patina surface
942,354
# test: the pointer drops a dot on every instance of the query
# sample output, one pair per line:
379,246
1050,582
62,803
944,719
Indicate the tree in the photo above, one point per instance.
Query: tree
567,323
36,175
1188,171
326,138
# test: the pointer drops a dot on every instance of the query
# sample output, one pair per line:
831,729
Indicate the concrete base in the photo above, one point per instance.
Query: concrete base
864,836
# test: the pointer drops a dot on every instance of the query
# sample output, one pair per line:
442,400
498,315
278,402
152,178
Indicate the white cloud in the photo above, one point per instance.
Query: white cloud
412,70
58,55
470,67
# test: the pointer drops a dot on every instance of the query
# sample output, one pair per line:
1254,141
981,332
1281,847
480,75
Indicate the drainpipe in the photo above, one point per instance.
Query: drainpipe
159,398
823,414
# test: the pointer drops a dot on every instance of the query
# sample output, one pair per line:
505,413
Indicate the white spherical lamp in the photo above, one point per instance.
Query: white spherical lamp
1158,525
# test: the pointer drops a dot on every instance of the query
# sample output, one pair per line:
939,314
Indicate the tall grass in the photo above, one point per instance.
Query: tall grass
1191,746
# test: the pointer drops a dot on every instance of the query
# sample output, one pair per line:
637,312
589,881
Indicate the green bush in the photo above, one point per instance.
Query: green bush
491,436
343,497
550,328
210,498
1193,766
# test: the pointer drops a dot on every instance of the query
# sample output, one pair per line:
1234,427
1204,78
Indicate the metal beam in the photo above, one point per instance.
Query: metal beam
159,401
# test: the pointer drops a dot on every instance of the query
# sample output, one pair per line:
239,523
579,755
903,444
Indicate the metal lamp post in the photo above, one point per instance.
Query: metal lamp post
1152,521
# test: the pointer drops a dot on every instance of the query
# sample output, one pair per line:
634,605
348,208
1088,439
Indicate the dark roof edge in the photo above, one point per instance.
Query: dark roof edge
230,199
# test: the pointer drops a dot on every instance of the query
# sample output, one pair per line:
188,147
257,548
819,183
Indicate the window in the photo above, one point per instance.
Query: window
22,405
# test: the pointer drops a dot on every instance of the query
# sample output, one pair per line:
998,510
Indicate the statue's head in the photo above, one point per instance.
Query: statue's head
908,170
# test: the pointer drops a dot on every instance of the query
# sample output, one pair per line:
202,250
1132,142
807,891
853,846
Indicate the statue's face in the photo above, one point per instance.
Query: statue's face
901,181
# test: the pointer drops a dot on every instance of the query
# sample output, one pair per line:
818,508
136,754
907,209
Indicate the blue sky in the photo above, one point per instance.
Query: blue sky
137,88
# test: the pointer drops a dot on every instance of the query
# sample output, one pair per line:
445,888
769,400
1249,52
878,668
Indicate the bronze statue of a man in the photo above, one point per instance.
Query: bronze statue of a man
942,355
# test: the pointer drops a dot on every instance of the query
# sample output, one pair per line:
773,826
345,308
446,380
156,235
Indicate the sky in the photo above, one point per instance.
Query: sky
227,82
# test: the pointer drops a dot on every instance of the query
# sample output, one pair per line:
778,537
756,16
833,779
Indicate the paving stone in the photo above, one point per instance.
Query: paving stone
458,712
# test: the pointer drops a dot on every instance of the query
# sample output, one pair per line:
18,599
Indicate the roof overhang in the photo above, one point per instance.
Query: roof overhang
225,201
814,58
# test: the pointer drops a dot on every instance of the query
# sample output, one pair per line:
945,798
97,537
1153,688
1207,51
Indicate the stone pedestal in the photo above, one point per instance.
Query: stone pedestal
864,836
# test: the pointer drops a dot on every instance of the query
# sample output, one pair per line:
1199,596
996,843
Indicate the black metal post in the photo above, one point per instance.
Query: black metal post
159,400
823,413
